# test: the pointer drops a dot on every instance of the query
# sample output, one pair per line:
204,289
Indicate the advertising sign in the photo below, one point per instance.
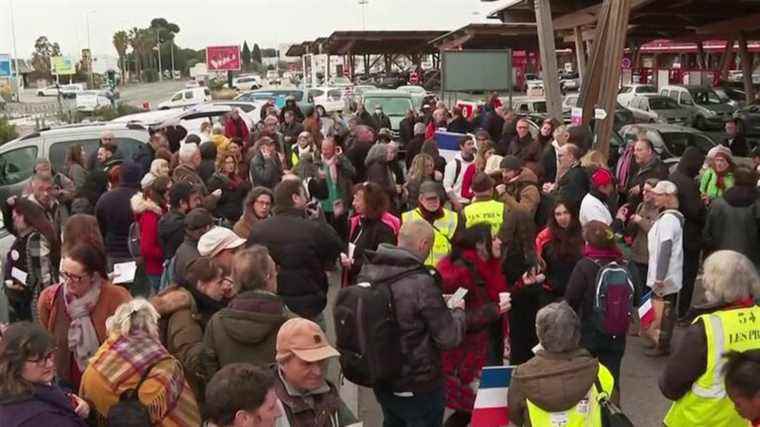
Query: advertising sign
62,65
223,58
5,65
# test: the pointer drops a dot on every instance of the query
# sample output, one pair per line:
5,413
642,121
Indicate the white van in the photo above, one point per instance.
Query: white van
186,97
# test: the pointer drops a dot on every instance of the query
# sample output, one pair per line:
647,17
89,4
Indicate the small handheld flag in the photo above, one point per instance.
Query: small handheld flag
491,409
646,311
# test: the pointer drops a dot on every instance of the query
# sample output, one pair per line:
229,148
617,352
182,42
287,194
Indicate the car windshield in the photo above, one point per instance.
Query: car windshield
662,104
646,89
706,97
676,142
412,89
391,106
539,107
297,94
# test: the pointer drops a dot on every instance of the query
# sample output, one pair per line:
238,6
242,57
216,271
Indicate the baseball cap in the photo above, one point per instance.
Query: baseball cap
198,218
493,164
665,187
218,239
601,177
305,339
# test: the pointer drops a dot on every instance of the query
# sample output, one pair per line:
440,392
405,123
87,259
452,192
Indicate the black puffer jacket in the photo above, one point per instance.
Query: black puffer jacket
302,249
230,205
732,223
427,326
689,200
208,160
171,232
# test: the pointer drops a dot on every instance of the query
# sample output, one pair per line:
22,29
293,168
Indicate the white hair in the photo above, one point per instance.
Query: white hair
558,328
187,151
135,315
729,277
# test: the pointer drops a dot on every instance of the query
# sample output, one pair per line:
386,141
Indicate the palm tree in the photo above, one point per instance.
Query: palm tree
136,43
121,42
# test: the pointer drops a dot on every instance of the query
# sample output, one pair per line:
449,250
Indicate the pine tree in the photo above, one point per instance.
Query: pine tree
246,56
256,54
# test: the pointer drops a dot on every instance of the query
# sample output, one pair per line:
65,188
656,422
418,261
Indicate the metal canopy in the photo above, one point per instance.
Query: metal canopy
380,42
520,36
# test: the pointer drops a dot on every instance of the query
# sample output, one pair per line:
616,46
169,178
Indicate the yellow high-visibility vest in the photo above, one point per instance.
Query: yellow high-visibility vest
443,228
707,403
490,212
587,413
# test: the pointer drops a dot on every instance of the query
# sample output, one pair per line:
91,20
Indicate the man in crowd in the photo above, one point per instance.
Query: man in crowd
445,223
573,185
114,213
302,248
187,171
106,138
742,373
416,396
307,397
43,194
484,209
406,127
380,119
735,140
197,222
266,166
519,188
649,166
594,205
242,395
220,244
414,146
453,175
458,123
96,182
521,145
290,128
338,173
363,139
171,227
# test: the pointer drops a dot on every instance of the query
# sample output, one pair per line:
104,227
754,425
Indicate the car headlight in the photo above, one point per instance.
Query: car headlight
710,113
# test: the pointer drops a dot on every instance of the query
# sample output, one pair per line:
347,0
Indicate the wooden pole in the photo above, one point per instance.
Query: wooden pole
725,59
701,55
548,53
749,89
610,78
591,82
580,52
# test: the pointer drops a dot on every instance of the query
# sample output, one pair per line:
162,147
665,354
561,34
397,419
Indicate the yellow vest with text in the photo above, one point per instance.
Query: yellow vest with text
489,211
707,403
587,413
294,159
446,226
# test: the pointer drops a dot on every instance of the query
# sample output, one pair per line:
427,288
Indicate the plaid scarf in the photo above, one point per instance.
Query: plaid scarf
122,360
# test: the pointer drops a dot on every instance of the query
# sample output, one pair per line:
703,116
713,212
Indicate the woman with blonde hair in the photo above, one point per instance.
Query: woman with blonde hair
133,358
422,169
234,189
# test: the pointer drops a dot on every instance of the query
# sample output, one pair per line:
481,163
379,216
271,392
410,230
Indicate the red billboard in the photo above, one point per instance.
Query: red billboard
223,58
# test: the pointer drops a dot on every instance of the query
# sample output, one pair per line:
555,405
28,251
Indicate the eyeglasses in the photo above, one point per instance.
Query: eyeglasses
47,357
72,278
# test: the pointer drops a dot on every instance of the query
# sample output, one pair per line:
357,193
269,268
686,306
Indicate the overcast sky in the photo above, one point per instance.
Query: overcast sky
213,22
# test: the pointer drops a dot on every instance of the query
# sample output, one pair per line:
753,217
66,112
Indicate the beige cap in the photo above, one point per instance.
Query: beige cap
493,165
665,187
218,239
305,339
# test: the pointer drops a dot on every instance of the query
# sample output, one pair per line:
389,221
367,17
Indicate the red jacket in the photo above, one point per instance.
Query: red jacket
236,128
469,174
147,213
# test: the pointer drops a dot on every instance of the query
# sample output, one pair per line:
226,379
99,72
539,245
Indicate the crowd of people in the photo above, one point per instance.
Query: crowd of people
518,250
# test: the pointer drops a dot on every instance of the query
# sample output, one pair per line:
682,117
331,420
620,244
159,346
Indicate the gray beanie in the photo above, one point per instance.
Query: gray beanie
511,163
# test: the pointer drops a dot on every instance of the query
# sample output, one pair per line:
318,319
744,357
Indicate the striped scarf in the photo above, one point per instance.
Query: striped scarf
122,360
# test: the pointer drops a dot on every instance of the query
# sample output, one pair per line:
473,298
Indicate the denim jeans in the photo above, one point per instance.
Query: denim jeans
420,410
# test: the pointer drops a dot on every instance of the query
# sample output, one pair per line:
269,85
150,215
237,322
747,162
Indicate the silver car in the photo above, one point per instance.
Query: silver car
659,109
670,141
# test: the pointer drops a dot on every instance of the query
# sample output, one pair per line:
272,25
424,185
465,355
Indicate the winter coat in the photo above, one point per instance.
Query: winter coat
230,205
558,267
367,234
459,125
171,232
525,149
45,406
732,223
114,214
737,145
236,128
266,172
483,281
427,326
689,199
639,250
581,288
549,163
77,174
406,130
708,183
379,172
208,160
186,252
244,332
302,249
654,169
574,185
147,213
554,382
186,173
357,154
523,193
413,148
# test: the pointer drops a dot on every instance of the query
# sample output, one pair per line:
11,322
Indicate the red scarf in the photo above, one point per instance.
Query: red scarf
602,253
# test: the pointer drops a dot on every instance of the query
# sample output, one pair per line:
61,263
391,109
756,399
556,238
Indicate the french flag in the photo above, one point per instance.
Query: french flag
646,311
448,143
491,408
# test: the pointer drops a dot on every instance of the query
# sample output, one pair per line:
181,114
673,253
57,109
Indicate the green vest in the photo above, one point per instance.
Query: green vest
443,231
587,413
707,403
490,212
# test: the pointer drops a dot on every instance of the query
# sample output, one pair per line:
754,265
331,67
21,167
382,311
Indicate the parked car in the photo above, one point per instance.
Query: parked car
67,91
569,81
17,157
395,105
623,116
750,119
278,96
710,111
669,141
734,97
628,92
246,83
659,109
330,98
418,94
340,81
186,97
90,100
529,106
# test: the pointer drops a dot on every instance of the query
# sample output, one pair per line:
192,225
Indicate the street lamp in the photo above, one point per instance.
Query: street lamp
15,54
363,4
89,47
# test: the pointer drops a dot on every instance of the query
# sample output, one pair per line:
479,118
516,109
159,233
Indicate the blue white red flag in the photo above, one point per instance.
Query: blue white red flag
491,409
646,311
448,144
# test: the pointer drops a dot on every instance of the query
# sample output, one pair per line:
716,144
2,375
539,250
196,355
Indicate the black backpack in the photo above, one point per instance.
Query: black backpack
367,332
129,411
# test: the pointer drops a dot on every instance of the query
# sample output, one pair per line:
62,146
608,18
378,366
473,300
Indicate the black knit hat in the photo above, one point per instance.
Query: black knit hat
511,163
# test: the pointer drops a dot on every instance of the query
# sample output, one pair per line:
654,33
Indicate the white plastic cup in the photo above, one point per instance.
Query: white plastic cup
504,297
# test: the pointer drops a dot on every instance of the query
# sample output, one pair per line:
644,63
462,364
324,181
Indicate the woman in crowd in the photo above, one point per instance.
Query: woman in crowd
32,261
234,189
246,330
75,311
730,281
719,175
236,149
187,311
75,167
422,169
559,246
378,163
485,152
81,229
368,228
133,358
600,249
28,393
257,206
638,227
209,154
148,206
430,147
158,167
544,140
474,264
